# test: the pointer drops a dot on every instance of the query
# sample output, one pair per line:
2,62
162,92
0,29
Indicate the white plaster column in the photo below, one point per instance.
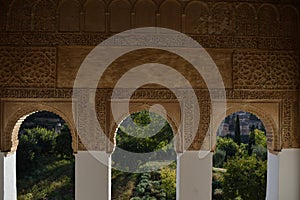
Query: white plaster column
289,174
272,177
8,184
195,176
92,176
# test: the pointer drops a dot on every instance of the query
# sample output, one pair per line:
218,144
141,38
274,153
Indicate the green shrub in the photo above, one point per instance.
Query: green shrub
149,188
219,158
168,182
260,152
33,144
245,178
135,198
63,142
227,145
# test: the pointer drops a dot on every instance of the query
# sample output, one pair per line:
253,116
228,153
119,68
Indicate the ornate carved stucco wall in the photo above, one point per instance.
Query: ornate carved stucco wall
254,43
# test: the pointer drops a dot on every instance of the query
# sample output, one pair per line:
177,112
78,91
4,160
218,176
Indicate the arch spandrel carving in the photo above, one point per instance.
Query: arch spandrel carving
14,112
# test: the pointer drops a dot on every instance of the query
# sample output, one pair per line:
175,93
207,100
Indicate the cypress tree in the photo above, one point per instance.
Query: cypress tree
251,140
237,132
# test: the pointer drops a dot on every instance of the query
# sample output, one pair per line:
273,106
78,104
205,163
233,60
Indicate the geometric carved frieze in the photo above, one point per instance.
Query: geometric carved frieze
93,39
285,137
265,70
27,67
148,93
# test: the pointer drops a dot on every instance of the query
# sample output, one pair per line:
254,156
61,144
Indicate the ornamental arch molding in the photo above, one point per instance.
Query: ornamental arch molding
172,116
17,113
268,113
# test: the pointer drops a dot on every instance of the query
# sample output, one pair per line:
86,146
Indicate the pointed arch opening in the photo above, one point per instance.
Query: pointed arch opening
42,148
240,160
151,172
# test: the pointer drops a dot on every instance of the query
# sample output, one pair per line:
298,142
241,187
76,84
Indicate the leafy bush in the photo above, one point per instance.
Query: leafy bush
260,152
168,182
148,188
245,166
135,198
218,158
33,144
63,145
41,173
245,178
227,145
134,135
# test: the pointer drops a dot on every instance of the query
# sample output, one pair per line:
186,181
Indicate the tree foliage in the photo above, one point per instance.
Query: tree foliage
246,168
218,158
40,142
168,182
260,146
137,135
63,142
143,132
237,131
245,178
227,145
33,144
148,188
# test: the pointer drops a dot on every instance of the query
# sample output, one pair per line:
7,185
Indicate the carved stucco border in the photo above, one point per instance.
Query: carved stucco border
283,136
140,106
272,127
10,135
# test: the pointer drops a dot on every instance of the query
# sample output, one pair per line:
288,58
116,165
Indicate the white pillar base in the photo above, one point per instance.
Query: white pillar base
195,176
8,177
91,175
289,174
272,177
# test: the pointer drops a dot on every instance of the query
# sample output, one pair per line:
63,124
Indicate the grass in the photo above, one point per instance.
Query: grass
52,179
